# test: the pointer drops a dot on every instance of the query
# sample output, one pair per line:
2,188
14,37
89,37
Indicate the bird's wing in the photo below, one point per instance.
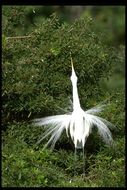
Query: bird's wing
54,125
96,109
101,124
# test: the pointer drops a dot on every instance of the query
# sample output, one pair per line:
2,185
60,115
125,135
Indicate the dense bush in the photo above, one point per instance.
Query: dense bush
25,165
109,20
35,71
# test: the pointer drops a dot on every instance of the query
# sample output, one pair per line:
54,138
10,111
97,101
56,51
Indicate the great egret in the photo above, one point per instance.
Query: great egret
78,123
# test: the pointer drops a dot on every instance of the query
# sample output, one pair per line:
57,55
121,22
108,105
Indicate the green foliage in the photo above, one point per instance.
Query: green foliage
36,67
36,70
25,165
13,20
109,22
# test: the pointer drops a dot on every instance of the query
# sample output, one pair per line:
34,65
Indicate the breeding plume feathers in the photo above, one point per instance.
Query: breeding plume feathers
78,123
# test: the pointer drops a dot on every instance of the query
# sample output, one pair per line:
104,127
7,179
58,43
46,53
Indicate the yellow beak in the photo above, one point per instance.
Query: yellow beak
71,62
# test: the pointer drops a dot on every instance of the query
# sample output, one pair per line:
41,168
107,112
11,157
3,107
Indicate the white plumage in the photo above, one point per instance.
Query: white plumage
78,123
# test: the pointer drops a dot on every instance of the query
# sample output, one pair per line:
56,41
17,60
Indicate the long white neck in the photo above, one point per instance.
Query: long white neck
76,102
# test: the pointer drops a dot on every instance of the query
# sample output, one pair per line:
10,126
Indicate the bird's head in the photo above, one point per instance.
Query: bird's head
73,75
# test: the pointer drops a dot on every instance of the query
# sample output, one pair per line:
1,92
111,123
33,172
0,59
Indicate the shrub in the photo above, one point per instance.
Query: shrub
36,69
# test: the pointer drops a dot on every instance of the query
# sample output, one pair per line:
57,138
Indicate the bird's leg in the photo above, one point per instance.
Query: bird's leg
83,162
75,159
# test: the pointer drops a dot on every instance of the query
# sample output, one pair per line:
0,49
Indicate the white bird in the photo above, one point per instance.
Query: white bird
78,123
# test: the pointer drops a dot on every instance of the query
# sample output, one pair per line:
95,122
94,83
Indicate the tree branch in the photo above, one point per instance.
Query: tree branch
18,37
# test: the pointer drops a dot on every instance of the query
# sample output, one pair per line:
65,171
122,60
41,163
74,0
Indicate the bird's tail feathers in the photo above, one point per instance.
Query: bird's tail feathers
54,126
102,126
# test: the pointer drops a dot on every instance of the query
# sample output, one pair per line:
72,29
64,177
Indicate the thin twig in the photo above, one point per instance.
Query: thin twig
18,37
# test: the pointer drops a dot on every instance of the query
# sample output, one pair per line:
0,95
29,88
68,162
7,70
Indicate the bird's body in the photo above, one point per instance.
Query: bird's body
78,123
77,131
